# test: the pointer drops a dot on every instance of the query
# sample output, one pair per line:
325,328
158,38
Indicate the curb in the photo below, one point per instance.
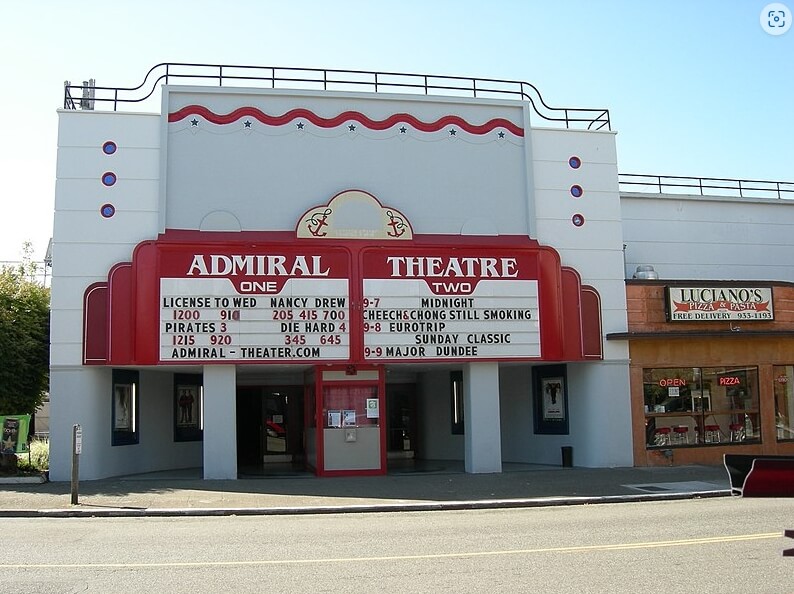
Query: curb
126,512
23,480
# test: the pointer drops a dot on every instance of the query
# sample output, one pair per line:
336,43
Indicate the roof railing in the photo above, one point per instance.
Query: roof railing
273,77
705,186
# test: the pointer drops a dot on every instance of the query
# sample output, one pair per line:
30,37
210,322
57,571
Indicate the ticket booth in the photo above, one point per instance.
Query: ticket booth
346,434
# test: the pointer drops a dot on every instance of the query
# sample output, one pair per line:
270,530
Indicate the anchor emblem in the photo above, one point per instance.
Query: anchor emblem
317,221
396,223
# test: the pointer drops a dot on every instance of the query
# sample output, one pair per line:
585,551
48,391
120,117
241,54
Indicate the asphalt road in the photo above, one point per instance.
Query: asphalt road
712,545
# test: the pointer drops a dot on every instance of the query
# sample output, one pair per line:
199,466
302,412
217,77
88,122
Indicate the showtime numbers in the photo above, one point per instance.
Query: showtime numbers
187,314
203,324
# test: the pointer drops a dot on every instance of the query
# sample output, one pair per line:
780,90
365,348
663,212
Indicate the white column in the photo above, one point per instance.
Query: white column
220,422
483,435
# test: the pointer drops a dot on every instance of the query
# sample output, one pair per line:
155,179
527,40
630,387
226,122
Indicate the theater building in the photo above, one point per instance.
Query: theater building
345,271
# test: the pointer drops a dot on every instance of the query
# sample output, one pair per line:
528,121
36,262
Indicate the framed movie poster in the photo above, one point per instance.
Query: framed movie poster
551,389
550,397
187,401
124,407
188,407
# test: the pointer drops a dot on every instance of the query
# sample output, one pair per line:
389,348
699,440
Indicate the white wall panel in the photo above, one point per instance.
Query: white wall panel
560,145
79,260
438,180
88,195
91,163
94,128
595,234
558,175
693,237
79,396
126,226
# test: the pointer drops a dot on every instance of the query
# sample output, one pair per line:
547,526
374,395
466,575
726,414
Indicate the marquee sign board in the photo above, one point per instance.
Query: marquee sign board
334,294
263,305
718,303
460,304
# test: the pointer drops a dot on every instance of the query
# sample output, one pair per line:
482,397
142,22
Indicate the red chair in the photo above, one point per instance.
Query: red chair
737,431
661,436
712,434
681,434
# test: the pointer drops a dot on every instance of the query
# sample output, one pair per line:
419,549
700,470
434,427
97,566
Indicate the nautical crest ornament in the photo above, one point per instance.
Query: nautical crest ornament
354,214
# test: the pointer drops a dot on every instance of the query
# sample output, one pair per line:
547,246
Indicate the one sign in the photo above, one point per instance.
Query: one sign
450,305
373,411
260,305
707,303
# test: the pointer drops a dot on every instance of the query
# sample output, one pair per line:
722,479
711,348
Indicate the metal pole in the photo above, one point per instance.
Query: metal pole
77,447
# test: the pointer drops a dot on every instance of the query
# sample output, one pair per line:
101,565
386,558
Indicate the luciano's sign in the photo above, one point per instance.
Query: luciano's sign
717,303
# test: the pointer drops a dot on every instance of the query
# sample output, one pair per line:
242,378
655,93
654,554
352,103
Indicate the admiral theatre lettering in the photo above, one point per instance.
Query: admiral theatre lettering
256,265
450,306
698,304
255,307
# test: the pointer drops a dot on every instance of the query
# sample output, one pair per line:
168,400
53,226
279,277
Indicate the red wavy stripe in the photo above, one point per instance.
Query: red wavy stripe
300,113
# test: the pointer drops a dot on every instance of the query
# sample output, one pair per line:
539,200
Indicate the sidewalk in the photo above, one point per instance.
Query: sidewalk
184,493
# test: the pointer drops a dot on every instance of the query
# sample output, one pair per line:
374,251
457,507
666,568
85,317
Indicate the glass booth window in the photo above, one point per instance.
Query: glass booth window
701,405
350,406
784,401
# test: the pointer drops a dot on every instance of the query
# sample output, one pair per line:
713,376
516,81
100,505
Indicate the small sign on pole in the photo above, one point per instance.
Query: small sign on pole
77,448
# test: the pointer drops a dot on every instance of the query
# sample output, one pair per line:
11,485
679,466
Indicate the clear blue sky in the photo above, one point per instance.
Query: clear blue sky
694,88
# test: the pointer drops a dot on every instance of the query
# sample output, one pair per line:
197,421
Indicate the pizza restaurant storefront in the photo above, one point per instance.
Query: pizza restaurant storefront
712,370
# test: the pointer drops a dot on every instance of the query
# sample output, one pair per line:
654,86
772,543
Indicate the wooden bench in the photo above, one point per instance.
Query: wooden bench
757,475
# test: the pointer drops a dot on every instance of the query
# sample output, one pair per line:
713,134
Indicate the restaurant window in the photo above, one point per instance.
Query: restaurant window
784,401
125,407
687,406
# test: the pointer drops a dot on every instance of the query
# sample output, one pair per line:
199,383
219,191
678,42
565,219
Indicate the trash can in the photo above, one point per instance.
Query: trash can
567,456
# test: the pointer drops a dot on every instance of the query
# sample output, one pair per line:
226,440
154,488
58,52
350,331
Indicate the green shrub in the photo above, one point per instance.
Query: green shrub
39,456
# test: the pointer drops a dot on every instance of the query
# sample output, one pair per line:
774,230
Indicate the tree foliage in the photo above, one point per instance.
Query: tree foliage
24,338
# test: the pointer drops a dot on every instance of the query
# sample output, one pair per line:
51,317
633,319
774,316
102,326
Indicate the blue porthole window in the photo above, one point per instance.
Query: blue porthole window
576,191
107,210
109,178
575,162
109,147
577,220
